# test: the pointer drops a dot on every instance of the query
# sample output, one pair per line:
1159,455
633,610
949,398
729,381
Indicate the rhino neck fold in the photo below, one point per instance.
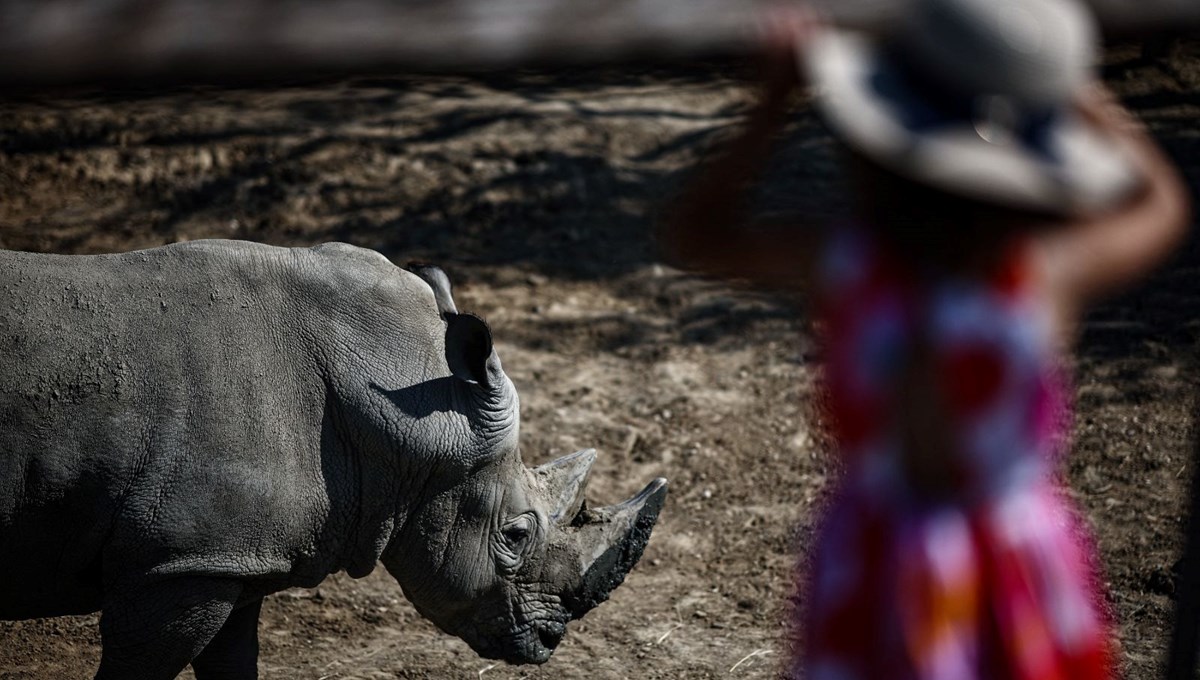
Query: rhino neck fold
492,412
367,492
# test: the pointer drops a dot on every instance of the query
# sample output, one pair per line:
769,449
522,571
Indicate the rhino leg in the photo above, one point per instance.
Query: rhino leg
233,652
152,631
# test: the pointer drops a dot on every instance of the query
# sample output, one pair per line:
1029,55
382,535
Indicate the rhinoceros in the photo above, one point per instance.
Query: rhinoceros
186,429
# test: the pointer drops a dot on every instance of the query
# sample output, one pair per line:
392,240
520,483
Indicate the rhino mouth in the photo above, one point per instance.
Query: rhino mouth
550,634
534,645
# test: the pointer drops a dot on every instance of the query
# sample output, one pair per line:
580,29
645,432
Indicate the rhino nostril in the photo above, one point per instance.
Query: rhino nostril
550,635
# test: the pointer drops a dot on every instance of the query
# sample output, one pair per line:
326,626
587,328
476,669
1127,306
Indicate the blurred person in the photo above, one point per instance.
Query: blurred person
998,189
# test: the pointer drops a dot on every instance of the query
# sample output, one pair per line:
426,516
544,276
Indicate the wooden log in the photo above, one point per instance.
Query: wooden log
46,42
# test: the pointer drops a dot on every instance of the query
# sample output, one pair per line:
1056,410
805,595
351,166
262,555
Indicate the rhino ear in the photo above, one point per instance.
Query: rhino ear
469,349
439,282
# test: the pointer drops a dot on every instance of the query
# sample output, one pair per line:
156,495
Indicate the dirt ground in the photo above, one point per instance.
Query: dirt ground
536,191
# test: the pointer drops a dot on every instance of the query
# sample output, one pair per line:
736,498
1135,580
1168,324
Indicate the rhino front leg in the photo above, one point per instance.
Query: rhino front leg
153,631
233,652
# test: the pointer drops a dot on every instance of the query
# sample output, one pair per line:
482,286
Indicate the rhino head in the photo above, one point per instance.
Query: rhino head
505,555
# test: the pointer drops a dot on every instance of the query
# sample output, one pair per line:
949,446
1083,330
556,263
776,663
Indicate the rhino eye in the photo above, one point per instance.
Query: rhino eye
514,540
518,531
516,534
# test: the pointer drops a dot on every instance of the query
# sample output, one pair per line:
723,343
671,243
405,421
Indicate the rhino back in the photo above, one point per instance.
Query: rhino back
170,407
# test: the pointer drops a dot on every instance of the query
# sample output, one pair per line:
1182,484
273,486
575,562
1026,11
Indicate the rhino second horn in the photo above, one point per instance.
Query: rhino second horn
611,541
564,480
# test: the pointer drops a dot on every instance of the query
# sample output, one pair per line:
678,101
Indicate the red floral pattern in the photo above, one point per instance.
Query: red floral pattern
993,582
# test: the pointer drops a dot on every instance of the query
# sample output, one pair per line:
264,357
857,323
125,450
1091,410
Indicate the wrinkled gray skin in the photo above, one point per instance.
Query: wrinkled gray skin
187,429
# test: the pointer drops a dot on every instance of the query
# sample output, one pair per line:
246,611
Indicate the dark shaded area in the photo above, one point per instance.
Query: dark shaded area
575,211
564,212
1161,317
423,399
240,41
1185,633
547,199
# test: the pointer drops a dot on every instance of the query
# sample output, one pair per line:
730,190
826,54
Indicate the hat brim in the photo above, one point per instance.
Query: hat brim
1079,171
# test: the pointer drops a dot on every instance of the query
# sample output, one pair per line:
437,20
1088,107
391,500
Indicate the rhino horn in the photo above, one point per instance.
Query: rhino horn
564,480
611,540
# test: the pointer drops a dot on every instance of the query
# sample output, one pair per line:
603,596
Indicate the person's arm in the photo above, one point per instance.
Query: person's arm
707,228
1094,256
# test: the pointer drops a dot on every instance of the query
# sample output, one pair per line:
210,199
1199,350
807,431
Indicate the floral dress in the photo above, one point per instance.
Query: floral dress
994,580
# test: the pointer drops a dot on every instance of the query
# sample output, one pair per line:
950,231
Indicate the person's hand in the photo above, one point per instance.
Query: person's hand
784,32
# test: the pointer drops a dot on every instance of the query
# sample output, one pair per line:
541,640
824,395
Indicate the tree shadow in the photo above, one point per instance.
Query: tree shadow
560,173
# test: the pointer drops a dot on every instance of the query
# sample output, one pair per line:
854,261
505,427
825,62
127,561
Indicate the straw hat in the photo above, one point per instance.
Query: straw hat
974,97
